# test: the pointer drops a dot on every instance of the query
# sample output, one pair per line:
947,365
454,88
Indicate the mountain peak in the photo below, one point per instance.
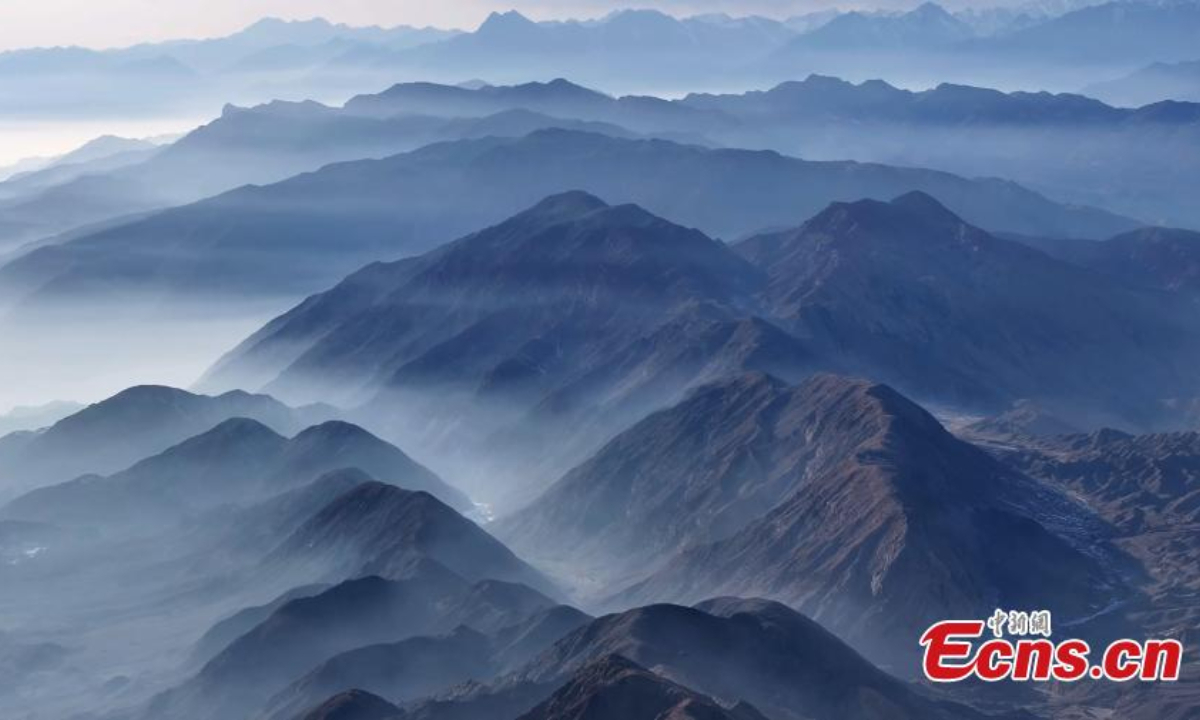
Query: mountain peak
139,393
235,432
930,9
926,206
505,22
333,430
914,216
353,705
382,529
567,205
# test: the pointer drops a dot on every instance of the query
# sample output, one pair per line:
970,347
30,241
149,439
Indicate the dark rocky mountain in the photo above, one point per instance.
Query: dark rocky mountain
896,524
239,460
970,317
275,240
268,523
696,472
379,529
1159,258
545,257
730,650
586,358
224,632
615,687
303,633
401,671
572,309
516,645
1138,482
1147,487
133,424
1024,419
352,705
419,667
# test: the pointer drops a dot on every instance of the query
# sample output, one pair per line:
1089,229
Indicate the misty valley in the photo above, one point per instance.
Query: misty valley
648,366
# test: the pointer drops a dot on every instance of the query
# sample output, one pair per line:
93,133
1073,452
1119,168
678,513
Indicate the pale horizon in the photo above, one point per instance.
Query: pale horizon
71,23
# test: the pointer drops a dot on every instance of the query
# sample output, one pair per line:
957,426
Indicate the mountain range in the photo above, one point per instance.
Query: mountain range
737,657
1177,80
237,460
647,397
1159,258
599,314
626,50
277,240
302,633
783,469
133,424
1053,143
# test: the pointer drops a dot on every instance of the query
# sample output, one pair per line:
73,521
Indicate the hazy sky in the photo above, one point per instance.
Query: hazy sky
109,23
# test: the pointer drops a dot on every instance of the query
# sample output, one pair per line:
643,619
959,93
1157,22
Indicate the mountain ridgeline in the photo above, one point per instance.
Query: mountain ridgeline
577,309
645,367
297,236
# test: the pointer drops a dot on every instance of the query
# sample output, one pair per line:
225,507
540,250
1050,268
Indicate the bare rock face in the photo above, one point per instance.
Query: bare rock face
1148,487
384,530
908,293
892,524
352,705
614,687
726,658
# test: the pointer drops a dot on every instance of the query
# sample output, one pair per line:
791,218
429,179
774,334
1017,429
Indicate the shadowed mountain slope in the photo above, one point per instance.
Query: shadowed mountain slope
731,651
239,460
907,292
615,687
897,524
379,529
302,633
133,424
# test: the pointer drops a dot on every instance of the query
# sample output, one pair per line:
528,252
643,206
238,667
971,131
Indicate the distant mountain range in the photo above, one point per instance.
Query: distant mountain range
753,655
1160,258
1071,147
138,422
1178,81
237,460
303,633
29,418
181,77
625,51
255,145
294,237
385,530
